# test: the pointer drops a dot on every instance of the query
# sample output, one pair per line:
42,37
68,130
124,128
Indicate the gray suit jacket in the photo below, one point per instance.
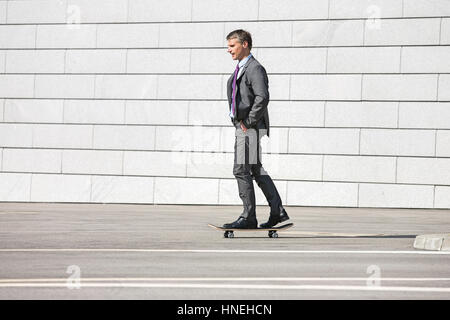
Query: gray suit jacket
252,95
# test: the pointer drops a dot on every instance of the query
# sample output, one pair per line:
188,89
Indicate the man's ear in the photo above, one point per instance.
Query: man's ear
245,44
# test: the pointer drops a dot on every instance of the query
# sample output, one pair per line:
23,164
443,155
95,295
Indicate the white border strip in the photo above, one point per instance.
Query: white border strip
228,286
230,251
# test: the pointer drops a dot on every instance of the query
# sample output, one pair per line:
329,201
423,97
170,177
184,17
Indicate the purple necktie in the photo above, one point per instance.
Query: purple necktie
233,102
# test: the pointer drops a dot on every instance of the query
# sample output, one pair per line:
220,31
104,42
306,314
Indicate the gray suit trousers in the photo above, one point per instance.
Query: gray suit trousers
247,165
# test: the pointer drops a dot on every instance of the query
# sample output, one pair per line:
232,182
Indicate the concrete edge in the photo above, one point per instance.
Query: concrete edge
436,242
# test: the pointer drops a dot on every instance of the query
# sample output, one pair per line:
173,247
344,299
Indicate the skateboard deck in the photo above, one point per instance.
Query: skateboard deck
272,232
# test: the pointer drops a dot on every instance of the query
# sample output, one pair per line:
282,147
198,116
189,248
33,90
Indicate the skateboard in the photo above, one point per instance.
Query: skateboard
272,232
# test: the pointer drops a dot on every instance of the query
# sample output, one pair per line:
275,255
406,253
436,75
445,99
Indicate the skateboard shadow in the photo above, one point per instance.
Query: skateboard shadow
389,236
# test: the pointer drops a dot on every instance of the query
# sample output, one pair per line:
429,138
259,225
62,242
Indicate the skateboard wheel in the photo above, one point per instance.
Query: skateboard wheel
228,234
273,234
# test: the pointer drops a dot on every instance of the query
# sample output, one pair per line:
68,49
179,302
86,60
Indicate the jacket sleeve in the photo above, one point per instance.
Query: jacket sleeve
260,86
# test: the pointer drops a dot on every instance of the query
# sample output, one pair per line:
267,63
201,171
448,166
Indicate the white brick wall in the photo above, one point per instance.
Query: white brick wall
200,113
32,160
63,36
35,61
364,60
365,8
125,87
94,111
433,59
155,163
191,35
155,112
426,8
96,61
60,188
308,114
189,87
297,60
196,138
16,86
92,162
328,33
398,142
398,195
40,11
424,115
99,10
3,5
218,10
359,169
302,193
402,32
2,61
123,137
292,9
122,189
423,170
2,102
444,87
324,141
30,110
125,101
399,87
156,10
17,36
64,86
445,32
326,87
279,87
62,136
186,190
15,186
361,114
159,61
442,197
16,135
443,143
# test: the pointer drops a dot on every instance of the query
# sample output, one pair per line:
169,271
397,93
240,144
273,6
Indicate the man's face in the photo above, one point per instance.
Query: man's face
236,49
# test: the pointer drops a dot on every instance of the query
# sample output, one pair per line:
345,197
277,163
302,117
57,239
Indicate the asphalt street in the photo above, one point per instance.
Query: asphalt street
111,251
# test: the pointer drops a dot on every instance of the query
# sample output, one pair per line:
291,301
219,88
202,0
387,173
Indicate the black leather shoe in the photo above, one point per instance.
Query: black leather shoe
273,220
242,223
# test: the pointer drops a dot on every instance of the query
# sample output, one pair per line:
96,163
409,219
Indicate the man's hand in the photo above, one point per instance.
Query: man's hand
243,127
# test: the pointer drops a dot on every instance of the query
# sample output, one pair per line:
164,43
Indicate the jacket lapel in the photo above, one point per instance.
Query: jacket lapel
242,71
240,74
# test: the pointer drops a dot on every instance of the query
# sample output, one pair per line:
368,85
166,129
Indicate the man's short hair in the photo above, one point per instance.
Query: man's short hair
242,36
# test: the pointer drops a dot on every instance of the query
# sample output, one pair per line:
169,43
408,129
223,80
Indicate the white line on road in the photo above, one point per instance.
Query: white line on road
229,251
227,279
18,212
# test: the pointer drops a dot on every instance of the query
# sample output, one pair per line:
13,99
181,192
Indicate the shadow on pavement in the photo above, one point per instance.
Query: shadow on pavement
396,236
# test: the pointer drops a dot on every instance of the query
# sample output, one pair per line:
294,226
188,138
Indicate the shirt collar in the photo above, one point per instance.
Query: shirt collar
244,61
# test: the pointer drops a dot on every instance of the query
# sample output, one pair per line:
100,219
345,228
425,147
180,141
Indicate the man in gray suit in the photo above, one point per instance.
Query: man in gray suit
248,97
